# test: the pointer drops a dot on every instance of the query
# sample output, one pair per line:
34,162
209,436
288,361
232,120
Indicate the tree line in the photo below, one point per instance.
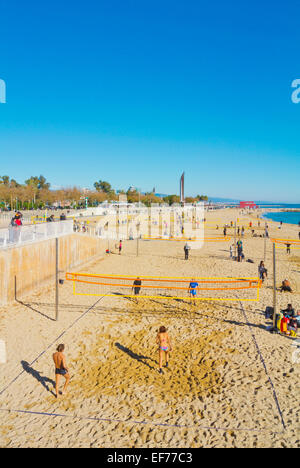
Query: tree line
35,193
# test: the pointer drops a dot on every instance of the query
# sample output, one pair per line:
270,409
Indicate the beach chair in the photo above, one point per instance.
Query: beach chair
279,318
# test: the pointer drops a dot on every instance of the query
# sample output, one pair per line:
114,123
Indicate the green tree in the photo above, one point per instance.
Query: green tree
37,182
202,197
43,184
103,186
171,199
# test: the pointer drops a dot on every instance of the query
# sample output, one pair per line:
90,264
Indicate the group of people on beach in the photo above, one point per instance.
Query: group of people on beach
192,288
163,341
263,274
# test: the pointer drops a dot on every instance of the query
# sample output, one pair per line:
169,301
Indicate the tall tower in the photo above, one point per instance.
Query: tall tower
182,188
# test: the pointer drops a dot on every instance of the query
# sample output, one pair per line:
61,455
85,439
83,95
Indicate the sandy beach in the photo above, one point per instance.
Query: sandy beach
230,382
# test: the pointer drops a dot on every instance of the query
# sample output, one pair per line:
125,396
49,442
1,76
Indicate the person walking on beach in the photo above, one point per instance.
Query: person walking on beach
186,251
137,287
120,247
266,232
164,347
262,271
288,248
193,290
239,250
61,368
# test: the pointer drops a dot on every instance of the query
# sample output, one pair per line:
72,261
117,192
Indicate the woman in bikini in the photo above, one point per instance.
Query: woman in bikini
164,346
60,368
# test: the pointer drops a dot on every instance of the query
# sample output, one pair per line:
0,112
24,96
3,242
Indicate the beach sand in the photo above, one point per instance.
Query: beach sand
230,382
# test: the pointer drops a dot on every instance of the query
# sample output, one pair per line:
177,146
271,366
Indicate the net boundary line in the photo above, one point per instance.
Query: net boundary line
150,423
266,370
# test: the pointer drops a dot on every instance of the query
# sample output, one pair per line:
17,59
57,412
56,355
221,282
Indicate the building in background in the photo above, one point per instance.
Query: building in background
248,204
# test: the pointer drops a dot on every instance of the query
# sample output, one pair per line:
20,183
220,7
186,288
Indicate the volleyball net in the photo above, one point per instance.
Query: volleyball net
153,287
189,239
286,243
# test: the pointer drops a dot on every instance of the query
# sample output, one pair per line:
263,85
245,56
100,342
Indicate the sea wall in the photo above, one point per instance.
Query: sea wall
34,265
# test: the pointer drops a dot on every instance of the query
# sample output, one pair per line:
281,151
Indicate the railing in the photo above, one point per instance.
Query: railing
14,236
5,218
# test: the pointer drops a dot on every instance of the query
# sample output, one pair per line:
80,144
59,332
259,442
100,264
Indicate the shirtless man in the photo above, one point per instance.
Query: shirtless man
164,346
60,368
193,290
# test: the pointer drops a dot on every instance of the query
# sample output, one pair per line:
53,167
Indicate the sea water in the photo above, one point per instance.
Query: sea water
290,217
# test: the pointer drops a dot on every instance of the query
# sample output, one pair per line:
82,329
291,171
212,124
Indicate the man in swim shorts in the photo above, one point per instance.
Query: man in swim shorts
60,368
193,290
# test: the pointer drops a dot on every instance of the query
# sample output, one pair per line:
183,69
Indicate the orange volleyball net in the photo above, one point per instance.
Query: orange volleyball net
154,287
286,243
189,239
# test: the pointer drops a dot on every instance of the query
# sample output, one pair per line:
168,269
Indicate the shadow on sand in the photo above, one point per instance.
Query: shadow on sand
37,375
135,356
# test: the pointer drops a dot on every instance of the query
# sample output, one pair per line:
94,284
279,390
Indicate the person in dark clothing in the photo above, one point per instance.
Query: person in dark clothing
186,251
239,250
285,286
289,311
137,286
263,273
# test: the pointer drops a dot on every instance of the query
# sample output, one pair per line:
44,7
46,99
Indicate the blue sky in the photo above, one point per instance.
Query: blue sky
135,92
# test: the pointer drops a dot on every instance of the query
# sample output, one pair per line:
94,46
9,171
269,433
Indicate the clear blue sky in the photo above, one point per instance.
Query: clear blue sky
135,92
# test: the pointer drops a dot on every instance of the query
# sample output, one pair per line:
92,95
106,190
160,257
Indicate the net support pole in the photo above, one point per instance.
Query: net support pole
137,241
265,247
235,251
274,287
56,278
